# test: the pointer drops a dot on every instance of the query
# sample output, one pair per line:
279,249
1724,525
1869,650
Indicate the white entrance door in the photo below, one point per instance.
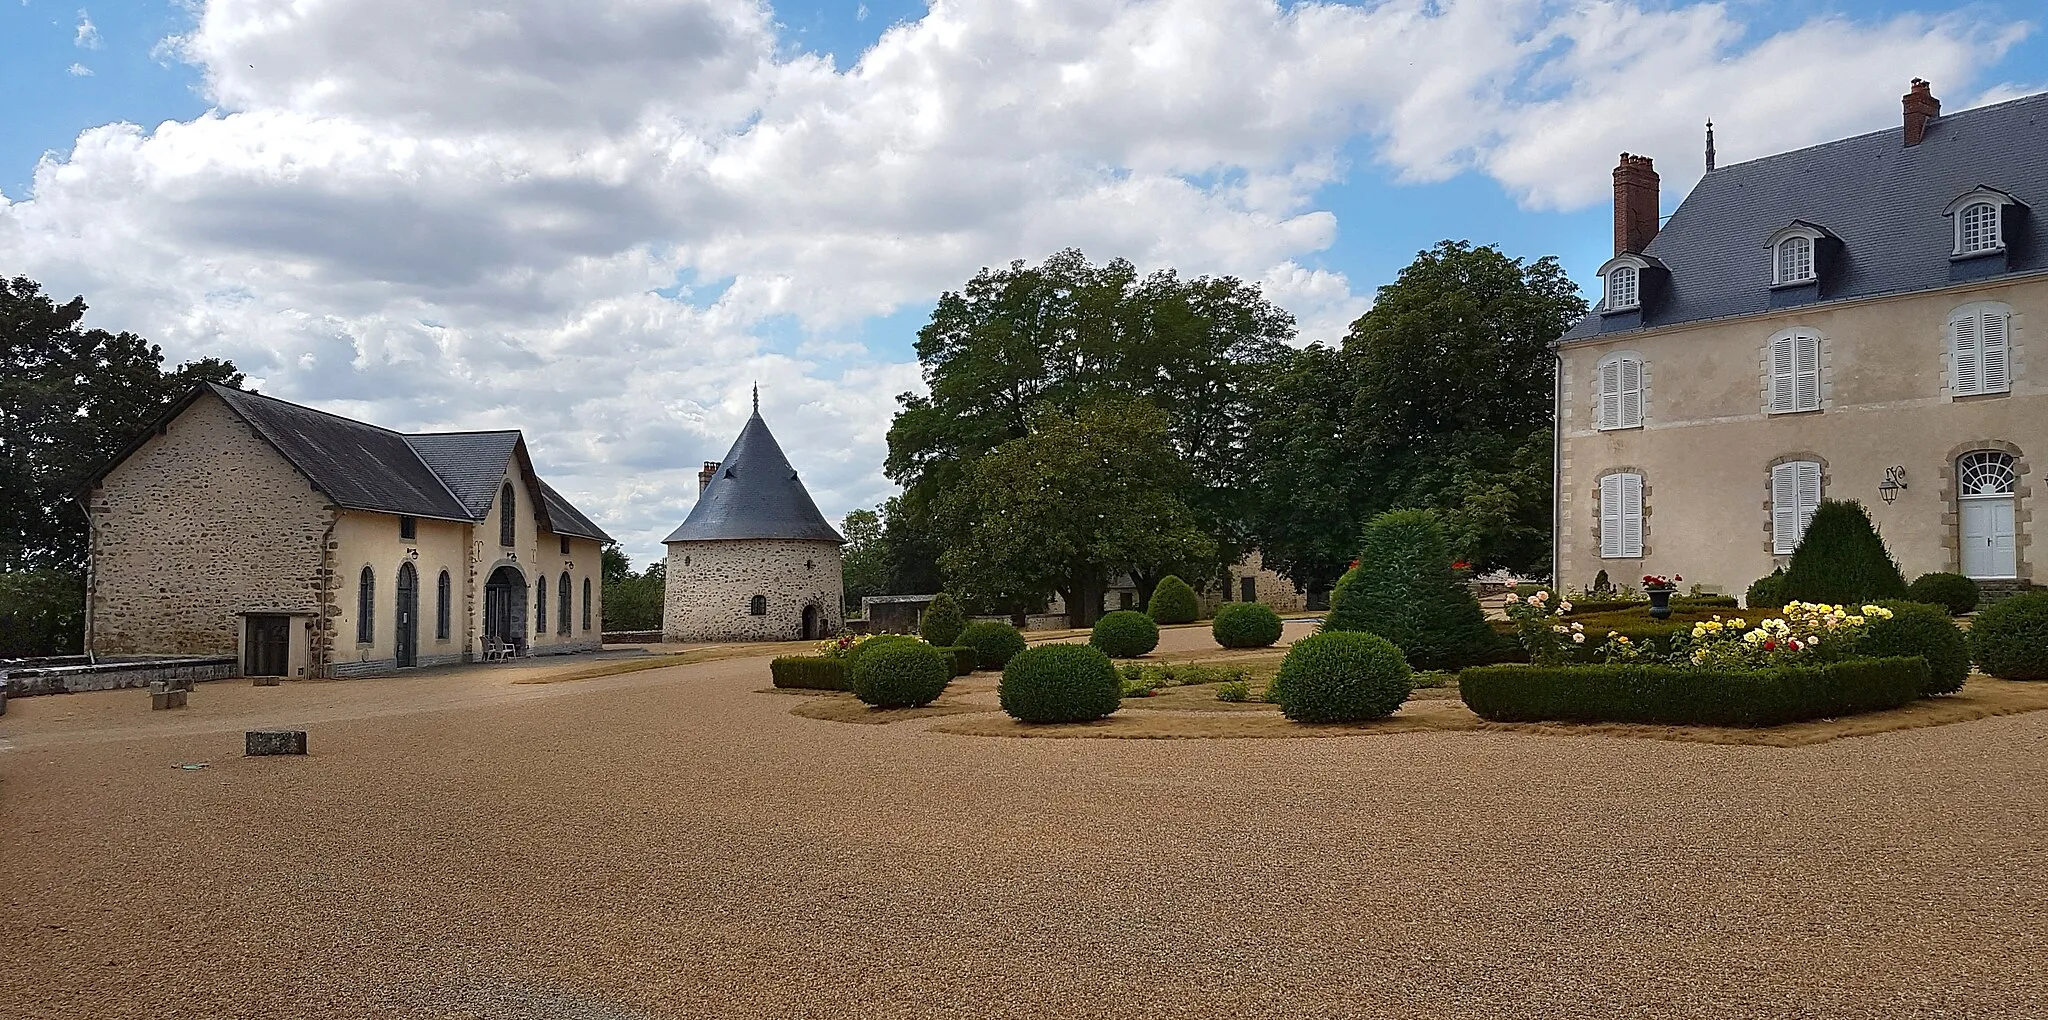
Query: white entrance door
1987,535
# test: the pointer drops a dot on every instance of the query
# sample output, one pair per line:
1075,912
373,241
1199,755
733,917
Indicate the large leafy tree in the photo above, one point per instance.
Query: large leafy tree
864,562
70,398
632,601
1024,341
1075,500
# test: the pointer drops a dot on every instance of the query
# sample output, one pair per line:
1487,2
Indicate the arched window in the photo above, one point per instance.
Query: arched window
759,606
1795,372
444,602
1623,288
508,518
586,603
1978,361
366,607
562,604
1621,516
1986,473
1977,228
1621,391
540,604
1795,495
1795,260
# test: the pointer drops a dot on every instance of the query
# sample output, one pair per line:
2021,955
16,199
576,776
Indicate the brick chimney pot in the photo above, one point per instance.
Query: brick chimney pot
1921,109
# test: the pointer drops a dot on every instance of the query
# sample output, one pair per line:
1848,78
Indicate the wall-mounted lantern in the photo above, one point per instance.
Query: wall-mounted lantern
1893,484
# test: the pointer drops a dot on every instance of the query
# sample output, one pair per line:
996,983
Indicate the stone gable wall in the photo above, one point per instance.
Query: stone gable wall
710,586
203,522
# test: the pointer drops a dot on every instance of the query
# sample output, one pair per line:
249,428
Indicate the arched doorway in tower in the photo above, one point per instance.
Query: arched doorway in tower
814,622
407,617
505,607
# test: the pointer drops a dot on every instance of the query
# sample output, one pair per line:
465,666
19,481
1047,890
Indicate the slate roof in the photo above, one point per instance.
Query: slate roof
450,476
1883,199
756,494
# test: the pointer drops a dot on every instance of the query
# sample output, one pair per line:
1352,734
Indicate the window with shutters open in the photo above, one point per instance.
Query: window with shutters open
1621,516
1621,392
1978,360
1795,495
1795,373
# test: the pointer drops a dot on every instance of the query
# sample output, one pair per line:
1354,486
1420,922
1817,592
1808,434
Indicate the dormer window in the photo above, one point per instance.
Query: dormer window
1979,218
1624,288
1795,253
1795,260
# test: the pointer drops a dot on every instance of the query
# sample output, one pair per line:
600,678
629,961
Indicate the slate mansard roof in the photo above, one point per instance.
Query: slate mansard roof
756,494
448,475
1883,199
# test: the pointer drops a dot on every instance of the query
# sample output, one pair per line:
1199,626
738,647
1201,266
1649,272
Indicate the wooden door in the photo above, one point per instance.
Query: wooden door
408,616
1987,537
268,651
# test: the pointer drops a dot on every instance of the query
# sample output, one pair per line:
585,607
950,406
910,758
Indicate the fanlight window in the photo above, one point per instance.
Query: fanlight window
1795,260
1985,473
1977,228
1623,287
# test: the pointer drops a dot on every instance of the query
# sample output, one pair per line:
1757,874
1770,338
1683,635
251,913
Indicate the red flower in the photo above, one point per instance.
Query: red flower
1770,646
1461,565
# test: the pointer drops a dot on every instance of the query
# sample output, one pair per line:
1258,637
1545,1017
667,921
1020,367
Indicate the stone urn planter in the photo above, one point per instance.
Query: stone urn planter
1660,603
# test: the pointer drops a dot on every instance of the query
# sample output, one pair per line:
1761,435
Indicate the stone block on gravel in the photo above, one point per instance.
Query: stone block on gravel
260,742
166,695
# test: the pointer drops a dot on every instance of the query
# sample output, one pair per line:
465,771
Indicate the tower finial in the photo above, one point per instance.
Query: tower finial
1710,145
757,398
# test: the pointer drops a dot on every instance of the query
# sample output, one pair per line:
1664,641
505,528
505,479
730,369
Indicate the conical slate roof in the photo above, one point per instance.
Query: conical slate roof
755,494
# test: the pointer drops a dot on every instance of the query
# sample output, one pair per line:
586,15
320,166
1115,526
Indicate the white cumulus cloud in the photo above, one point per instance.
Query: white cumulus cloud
88,35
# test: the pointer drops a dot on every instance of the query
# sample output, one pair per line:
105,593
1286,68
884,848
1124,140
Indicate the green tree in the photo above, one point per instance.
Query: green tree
864,561
633,601
1842,559
1073,501
1403,589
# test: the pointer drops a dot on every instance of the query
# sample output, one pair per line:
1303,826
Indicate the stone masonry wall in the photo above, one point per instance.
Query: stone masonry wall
710,586
203,522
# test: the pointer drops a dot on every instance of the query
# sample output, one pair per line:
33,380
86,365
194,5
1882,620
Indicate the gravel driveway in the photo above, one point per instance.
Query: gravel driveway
673,844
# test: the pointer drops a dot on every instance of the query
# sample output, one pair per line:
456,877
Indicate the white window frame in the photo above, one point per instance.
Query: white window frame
1620,385
1621,516
1964,214
1979,349
1617,299
1794,372
1795,495
1793,261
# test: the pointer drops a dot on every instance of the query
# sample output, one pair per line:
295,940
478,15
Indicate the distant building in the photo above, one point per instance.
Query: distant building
311,545
754,560
1856,320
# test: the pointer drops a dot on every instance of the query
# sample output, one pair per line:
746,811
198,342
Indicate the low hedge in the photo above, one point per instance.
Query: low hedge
963,658
1125,634
1705,602
1588,604
899,674
1766,592
808,673
2009,639
1676,696
994,642
1060,683
1956,593
1245,625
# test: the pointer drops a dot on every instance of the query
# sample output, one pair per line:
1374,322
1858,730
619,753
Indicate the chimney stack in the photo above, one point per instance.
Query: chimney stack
705,476
1635,203
1921,107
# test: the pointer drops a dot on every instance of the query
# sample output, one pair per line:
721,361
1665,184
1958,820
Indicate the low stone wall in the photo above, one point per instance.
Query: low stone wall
632,637
110,676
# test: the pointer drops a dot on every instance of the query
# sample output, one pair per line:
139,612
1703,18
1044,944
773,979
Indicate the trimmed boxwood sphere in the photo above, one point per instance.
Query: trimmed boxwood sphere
994,643
1173,601
2009,639
1954,592
1125,634
899,674
1925,631
1342,676
1245,625
1060,683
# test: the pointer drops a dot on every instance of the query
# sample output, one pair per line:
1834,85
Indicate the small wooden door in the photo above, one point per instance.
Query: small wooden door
268,650
1987,537
408,616
1248,589
814,623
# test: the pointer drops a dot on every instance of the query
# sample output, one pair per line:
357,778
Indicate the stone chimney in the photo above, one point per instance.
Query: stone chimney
1921,108
1635,203
705,476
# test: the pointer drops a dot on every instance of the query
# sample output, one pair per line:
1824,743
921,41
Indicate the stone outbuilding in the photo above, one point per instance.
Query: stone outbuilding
754,560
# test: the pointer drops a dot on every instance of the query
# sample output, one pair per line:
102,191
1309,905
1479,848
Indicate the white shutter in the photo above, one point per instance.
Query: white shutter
1610,516
1610,395
1631,516
1991,329
1784,508
1964,365
1809,493
1806,381
1781,375
1631,402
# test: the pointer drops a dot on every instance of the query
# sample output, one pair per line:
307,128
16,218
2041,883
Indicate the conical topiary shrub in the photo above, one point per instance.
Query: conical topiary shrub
1173,601
942,621
1842,560
1404,591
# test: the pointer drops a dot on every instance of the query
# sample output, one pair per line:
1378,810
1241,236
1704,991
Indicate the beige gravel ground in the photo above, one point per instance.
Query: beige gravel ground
670,843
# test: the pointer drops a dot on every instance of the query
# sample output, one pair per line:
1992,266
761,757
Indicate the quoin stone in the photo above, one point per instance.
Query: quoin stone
754,560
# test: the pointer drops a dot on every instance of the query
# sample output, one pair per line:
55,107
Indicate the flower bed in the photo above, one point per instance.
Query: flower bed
1691,696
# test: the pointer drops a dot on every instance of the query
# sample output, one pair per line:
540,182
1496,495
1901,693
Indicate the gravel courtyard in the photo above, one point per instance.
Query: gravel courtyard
670,843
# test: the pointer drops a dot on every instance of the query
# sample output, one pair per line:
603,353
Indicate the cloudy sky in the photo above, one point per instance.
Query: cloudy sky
600,221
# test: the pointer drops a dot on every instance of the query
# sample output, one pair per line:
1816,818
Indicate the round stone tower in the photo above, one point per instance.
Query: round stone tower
755,560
